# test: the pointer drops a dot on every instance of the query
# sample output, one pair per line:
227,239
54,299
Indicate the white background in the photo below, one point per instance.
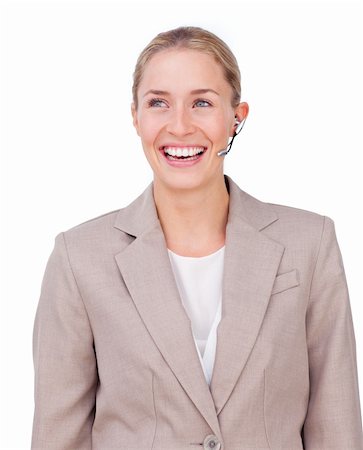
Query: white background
70,153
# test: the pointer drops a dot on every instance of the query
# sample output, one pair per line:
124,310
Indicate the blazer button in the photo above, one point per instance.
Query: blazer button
211,442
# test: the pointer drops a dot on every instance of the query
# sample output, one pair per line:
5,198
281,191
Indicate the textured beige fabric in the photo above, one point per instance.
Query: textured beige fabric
116,366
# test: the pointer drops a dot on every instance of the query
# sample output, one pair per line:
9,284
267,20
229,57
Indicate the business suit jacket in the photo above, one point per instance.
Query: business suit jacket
116,366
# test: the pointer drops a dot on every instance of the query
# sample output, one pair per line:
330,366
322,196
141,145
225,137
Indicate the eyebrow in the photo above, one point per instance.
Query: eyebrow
194,92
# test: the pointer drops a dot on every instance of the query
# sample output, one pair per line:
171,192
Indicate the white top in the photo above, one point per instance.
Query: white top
199,281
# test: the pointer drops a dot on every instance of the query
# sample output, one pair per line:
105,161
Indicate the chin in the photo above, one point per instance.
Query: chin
175,181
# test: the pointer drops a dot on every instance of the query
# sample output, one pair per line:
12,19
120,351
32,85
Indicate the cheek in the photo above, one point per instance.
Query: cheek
217,121
149,128
215,127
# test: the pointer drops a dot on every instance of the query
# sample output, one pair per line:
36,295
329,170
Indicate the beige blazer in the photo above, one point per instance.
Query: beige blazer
116,366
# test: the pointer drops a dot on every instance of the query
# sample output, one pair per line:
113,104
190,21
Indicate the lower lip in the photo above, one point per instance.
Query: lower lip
183,163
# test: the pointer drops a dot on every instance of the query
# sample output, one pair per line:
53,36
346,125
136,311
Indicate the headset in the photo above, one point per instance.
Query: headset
239,125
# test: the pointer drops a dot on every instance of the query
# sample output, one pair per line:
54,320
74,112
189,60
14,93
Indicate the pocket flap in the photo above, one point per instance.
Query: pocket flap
285,281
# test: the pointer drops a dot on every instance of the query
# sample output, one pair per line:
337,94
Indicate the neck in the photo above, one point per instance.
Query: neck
193,221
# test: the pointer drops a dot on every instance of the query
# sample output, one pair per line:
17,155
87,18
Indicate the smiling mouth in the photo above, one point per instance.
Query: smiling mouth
188,153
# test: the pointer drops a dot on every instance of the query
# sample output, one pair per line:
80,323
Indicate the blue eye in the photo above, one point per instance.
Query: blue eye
202,103
155,102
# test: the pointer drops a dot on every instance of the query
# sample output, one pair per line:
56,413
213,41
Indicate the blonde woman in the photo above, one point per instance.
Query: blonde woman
196,317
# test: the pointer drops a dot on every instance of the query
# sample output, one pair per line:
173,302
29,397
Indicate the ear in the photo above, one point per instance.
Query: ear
134,117
241,112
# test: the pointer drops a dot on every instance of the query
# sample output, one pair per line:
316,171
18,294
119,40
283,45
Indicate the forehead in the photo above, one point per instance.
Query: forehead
182,70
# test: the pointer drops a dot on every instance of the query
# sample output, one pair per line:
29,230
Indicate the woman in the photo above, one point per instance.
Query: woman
197,316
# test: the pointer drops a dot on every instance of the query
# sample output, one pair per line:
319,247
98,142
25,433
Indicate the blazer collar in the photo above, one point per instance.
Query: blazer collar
250,267
141,214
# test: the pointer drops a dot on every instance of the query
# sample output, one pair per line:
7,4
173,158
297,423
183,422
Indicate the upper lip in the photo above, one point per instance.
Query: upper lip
182,146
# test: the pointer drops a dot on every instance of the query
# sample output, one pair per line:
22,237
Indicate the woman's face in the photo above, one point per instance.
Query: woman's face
184,106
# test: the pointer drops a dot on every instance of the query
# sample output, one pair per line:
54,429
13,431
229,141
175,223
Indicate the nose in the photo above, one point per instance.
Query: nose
180,123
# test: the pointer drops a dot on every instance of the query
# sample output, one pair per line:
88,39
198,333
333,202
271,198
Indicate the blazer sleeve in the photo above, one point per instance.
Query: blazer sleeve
65,367
333,419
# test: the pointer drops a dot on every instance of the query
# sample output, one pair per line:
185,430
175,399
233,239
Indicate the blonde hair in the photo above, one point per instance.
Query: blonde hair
193,38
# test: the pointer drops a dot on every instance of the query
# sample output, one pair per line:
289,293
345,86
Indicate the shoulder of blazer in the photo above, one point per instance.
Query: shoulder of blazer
294,227
95,224
95,239
285,213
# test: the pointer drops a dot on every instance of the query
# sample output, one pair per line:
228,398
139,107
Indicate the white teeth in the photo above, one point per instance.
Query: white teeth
185,151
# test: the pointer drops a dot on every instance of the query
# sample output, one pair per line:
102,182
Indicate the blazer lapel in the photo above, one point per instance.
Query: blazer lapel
147,273
250,266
